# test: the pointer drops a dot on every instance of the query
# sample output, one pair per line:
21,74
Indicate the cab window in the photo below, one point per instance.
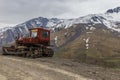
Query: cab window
33,33
44,34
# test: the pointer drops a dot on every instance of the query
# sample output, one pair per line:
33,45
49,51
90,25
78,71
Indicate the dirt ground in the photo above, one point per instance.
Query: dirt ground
17,68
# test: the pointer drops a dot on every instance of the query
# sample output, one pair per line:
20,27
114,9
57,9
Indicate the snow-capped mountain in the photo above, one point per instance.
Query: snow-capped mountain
110,19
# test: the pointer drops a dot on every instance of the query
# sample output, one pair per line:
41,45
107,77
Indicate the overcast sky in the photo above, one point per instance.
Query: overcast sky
13,12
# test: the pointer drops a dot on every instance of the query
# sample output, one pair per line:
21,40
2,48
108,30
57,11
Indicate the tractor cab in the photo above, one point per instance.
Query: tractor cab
38,36
39,32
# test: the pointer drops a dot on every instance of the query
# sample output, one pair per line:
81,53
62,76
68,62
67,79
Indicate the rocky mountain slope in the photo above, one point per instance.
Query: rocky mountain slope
94,44
110,19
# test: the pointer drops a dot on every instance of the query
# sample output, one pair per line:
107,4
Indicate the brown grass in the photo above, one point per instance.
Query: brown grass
102,46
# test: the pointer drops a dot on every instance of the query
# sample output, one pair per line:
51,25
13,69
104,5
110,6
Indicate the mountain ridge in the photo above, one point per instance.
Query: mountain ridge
110,19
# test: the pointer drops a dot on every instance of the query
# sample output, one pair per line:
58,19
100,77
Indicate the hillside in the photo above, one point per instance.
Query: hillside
91,44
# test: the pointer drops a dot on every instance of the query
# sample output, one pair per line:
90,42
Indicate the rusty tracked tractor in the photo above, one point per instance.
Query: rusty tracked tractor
36,45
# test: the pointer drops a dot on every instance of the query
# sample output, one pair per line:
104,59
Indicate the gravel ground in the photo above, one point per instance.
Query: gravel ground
17,68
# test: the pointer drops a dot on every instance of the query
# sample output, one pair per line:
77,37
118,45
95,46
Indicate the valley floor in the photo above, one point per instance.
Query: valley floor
17,68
